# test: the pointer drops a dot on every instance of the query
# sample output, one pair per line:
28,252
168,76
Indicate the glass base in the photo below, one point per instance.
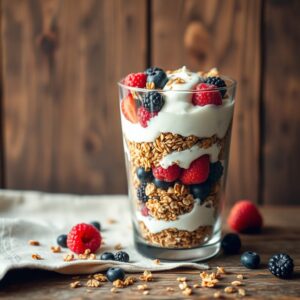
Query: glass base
203,252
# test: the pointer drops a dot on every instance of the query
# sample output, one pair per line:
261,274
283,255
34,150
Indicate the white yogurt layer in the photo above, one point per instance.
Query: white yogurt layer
198,216
184,158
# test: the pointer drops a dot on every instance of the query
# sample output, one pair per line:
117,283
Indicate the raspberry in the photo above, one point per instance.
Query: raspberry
144,116
136,80
206,94
84,236
170,174
197,172
245,217
145,211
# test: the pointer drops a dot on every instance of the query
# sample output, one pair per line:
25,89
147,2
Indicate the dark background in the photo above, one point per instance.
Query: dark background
61,59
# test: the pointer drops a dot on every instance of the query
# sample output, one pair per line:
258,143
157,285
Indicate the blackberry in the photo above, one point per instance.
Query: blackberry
153,101
200,191
143,175
122,256
231,243
250,260
215,171
217,81
158,76
140,192
281,265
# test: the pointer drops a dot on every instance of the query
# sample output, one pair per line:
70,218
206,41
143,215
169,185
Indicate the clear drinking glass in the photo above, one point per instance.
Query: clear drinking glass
176,220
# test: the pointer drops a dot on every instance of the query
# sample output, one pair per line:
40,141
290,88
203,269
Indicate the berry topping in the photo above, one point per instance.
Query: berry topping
107,256
197,172
218,82
140,192
250,260
281,265
206,94
144,116
153,101
143,175
136,80
231,243
145,211
128,107
162,184
169,175
96,224
245,217
82,237
200,191
62,240
122,256
158,76
215,171
113,274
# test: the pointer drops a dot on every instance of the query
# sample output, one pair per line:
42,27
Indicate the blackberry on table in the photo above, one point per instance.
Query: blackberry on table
153,101
281,265
141,193
217,81
122,256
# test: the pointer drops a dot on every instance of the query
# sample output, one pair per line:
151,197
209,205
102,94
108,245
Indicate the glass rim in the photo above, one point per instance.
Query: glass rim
232,85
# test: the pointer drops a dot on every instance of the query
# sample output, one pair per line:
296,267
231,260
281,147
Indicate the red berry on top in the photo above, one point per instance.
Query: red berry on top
245,217
169,175
128,107
197,172
82,237
144,116
136,80
206,94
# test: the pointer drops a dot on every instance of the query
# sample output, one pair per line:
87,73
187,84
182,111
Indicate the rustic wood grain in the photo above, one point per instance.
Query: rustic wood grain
204,34
61,65
281,233
281,133
2,173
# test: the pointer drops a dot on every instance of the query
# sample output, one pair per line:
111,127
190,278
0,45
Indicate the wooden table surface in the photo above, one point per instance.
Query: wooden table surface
281,234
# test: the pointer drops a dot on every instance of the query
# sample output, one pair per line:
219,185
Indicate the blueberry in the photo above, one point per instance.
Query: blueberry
62,240
250,260
153,101
215,171
122,256
200,191
162,184
107,256
143,175
96,224
113,274
231,243
158,76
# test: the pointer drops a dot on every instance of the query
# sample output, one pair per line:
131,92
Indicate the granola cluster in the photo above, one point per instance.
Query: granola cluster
174,238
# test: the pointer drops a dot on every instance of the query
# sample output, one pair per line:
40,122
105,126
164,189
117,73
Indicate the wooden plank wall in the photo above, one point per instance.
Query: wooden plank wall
61,63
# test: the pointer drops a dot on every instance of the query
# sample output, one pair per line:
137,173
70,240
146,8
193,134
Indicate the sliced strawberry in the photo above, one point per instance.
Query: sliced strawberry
128,107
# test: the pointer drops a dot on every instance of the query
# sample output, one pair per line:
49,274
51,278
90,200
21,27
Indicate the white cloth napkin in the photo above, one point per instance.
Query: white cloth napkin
38,216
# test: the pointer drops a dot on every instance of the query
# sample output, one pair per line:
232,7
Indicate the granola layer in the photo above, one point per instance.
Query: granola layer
174,238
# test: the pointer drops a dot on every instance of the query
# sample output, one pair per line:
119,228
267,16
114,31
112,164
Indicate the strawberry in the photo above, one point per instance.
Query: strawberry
136,80
245,217
169,175
207,94
144,116
197,172
128,108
